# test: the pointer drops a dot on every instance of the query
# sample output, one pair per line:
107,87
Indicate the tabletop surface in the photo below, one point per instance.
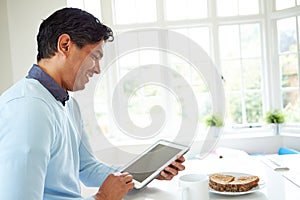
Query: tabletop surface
278,184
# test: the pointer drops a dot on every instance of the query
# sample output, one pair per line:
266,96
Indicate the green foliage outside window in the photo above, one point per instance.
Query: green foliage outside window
214,120
275,117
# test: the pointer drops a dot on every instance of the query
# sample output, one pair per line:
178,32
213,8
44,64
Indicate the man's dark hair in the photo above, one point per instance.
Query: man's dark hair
81,26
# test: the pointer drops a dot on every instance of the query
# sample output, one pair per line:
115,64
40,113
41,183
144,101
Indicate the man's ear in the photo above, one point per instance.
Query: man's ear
63,44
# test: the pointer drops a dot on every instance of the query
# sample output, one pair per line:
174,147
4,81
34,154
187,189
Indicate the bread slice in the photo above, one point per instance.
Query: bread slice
229,183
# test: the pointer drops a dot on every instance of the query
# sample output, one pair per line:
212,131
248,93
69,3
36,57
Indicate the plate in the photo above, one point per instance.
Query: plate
261,184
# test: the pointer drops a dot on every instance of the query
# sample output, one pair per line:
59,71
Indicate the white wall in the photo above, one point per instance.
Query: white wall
253,145
5,68
291,142
20,21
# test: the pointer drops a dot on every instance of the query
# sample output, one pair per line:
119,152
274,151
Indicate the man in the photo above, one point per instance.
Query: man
44,150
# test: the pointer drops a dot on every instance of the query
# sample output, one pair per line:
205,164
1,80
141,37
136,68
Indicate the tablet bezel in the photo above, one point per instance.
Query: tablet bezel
183,149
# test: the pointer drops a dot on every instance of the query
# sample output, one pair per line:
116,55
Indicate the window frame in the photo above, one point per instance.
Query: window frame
267,17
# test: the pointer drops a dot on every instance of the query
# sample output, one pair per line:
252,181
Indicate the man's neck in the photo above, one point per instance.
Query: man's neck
51,68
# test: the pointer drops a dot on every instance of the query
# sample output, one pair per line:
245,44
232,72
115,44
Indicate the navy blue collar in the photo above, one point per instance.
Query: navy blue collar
47,81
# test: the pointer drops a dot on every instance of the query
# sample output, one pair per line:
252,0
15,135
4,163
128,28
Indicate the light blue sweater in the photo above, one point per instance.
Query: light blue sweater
44,150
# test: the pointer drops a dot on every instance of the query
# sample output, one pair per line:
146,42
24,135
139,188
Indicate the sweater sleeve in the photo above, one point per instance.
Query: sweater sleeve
92,172
26,130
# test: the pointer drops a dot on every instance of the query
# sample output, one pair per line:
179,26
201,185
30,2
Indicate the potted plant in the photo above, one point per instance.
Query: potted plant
215,122
276,118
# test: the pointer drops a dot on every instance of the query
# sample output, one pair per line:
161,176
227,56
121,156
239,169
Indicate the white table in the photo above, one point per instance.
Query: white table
278,185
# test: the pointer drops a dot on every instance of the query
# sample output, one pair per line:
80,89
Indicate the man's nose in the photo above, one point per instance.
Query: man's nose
97,68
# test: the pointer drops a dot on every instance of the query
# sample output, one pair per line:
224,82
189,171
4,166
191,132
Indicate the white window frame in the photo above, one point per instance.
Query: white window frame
267,17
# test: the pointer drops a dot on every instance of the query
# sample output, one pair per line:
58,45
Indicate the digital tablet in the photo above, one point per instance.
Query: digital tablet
148,165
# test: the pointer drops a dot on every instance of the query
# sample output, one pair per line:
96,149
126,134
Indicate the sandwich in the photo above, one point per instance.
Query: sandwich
229,183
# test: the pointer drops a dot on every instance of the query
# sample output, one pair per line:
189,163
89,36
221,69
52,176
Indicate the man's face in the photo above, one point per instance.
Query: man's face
85,62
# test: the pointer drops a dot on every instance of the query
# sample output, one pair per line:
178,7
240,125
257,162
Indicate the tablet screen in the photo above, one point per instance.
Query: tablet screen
146,165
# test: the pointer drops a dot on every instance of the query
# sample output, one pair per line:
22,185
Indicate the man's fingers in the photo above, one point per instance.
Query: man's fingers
125,177
180,159
171,170
121,174
166,175
178,165
128,178
130,186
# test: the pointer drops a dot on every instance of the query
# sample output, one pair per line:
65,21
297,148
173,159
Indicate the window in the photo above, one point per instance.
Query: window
288,55
188,9
241,61
134,11
250,48
283,4
237,7
201,35
92,6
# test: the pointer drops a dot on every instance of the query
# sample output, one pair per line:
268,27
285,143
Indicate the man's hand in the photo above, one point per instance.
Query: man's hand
115,187
172,170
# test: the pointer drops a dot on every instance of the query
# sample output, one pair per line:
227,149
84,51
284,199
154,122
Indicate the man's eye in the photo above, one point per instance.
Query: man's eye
94,57
97,58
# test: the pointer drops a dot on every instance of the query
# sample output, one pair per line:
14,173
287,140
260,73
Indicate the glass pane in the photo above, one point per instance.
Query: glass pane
234,109
227,8
290,99
252,73
146,10
129,60
289,70
299,31
182,68
75,3
125,11
188,9
253,107
136,59
135,11
101,111
148,57
291,106
143,99
196,9
283,4
248,7
204,105
229,41
195,79
287,40
231,71
198,82
250,40
199,34
298,2
93,7
192,75
172,7
199,85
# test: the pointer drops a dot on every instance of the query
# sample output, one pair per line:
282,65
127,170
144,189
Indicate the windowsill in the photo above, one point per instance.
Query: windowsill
290,134
247,135
243,134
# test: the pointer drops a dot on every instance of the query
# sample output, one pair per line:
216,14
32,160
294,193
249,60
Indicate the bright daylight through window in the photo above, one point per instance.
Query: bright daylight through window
254,44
